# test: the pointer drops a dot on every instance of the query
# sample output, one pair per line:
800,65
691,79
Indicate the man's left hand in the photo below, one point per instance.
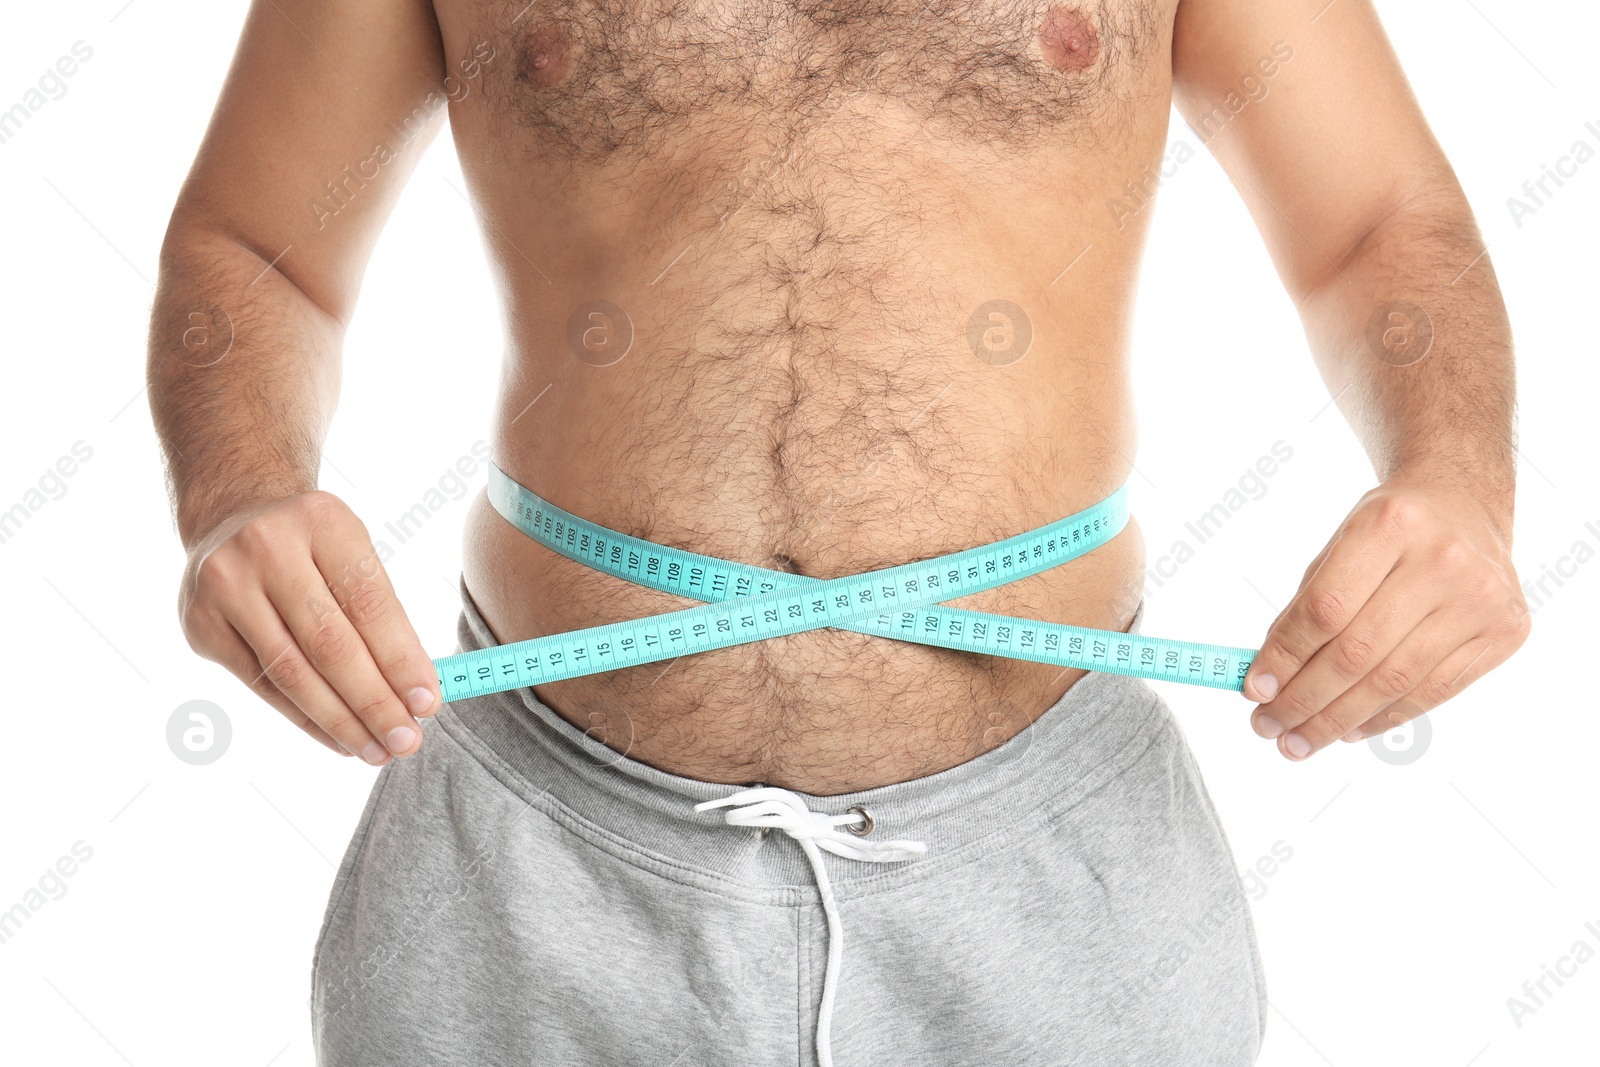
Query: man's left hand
1413,599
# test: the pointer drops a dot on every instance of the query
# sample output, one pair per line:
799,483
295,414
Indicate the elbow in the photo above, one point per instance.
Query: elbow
1411,220
201,247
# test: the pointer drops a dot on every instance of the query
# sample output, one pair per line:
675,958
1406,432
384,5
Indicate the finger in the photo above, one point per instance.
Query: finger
1454,673
337,652
364,592
283,663
1355,566
1412,660
1311,569
234,653
1396,609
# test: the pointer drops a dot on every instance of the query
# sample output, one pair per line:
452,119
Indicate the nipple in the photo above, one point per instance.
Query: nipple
544,55
1068,39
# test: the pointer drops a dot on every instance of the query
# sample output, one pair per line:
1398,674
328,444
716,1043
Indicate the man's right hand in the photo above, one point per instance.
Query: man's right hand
291,598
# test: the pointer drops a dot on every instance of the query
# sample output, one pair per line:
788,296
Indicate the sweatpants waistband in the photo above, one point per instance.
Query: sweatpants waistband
1098,728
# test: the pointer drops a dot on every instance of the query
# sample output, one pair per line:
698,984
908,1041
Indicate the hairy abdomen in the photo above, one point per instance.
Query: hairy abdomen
869,318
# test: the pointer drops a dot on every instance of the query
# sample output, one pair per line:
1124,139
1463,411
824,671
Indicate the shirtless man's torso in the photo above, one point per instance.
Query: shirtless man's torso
822,287
799,210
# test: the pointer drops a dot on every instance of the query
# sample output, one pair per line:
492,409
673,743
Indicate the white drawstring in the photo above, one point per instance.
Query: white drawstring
769,807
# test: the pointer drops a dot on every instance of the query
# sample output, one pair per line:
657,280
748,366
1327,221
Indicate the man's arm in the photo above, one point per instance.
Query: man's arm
1415,596
301,164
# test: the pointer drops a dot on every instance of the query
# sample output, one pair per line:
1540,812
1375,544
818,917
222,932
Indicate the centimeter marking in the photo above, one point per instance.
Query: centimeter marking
745,603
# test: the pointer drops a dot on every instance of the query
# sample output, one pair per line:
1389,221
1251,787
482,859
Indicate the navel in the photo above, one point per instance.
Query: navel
1068,39
544,55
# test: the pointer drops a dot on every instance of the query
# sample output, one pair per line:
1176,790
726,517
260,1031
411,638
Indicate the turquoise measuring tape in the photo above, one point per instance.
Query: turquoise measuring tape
743,603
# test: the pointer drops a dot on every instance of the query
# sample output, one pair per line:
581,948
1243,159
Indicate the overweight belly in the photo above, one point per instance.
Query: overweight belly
826,711
850,361
813,481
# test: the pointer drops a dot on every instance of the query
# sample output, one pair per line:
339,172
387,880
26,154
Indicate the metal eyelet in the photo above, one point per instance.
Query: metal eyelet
866,821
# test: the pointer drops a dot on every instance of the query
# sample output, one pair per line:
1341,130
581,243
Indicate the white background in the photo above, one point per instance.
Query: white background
1418,898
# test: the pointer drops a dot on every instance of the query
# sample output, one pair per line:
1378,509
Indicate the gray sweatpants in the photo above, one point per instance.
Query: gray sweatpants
518,893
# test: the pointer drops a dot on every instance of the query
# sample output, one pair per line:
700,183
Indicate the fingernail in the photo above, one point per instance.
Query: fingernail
1266,685
1266,726
374,753
1297,746
400,739
1354,735
419,700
